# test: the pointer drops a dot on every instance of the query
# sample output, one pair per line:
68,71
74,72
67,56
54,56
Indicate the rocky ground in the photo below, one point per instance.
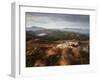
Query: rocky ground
61,52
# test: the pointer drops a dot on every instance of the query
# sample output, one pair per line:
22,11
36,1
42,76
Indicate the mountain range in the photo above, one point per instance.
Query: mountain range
35,32
78,30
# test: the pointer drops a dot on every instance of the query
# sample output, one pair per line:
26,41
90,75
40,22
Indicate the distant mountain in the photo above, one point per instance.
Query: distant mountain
41,30
34,28
56,34
78,30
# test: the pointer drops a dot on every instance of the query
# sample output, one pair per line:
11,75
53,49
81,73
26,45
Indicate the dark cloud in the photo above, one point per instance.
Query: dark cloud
57,20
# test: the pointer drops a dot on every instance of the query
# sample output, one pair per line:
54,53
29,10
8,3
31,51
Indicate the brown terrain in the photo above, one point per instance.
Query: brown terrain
61,52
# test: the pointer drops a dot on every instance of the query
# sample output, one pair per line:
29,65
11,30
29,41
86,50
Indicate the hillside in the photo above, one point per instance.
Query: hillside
53,34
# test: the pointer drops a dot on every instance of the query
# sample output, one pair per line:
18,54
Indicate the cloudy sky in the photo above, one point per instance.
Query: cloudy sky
50,21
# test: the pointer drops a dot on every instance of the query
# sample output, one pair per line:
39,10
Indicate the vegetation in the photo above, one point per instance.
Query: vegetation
38,46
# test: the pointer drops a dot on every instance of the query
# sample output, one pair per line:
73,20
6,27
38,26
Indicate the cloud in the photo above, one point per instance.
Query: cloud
49,20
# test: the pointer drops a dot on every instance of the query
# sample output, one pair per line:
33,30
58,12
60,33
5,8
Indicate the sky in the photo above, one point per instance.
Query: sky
55,21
